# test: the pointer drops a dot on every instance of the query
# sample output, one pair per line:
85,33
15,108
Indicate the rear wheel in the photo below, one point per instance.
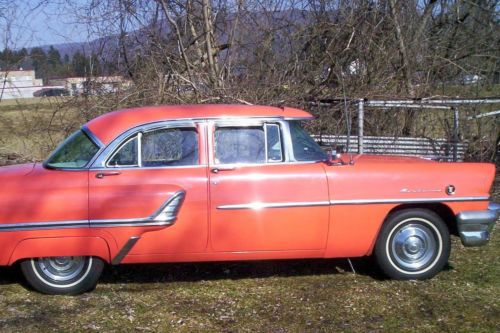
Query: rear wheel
62,275
413,244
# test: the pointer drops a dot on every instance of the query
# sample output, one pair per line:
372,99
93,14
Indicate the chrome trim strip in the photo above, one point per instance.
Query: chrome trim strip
166,215
105,154
405,200
125,250
43,225
112,168
261,205
139,222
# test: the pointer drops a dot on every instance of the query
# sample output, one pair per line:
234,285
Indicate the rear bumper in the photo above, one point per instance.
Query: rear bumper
474,227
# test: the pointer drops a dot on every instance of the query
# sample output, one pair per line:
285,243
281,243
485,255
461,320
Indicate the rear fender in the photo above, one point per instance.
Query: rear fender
61,247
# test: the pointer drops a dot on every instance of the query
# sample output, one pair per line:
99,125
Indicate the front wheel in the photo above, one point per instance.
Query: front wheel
413,244
62,275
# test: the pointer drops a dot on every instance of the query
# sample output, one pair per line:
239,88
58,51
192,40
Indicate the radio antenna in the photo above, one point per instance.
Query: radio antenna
347,113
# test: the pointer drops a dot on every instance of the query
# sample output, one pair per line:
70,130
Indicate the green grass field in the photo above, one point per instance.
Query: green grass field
282,296
33,127
274,296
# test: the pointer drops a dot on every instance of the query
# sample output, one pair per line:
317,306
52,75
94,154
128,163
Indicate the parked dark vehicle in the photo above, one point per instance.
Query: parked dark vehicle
50,92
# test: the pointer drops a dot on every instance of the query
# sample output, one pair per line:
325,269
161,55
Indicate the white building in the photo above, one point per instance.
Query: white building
92,85
18,84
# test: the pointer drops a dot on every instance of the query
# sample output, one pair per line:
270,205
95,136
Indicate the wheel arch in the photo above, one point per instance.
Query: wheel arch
61,246
442,210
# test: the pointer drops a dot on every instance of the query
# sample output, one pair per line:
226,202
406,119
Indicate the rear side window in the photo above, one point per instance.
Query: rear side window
250,144
169,147
158,148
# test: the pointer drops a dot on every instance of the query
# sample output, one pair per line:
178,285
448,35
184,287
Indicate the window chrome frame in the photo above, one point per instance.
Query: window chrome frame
137,136
104,152
251,122
285,136
282,157
101,162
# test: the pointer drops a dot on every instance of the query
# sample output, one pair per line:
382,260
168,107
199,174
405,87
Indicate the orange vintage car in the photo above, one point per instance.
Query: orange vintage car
229,182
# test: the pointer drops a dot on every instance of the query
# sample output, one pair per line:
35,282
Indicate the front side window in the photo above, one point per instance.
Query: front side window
127,155
250,144
304,147
75,152
158,148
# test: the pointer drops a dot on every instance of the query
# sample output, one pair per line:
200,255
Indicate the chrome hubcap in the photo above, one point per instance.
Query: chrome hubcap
413,247
61,269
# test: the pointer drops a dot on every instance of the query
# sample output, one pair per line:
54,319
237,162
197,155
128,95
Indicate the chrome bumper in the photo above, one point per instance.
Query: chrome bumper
474,227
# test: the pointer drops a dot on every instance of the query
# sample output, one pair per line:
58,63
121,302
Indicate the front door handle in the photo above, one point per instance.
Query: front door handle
101,175
218,169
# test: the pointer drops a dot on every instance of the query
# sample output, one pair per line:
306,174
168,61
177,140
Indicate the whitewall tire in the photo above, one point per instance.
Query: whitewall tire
62,275
413,244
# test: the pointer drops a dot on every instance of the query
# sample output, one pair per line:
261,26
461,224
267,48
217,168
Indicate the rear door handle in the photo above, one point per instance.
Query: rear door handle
218,169
101,175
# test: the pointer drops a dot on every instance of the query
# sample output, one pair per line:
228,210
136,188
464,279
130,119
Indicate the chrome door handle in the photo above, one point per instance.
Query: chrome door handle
218,169
101,175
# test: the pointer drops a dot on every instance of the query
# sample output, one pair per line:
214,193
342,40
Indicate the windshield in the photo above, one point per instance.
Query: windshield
74,153
304,147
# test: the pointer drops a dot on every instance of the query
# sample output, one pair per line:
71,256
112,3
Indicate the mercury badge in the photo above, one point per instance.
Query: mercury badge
450,189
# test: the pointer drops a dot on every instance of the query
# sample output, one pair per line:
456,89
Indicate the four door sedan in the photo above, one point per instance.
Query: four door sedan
229,182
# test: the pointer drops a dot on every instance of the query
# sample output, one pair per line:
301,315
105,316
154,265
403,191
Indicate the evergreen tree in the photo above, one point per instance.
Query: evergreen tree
39,60
53,57
79,64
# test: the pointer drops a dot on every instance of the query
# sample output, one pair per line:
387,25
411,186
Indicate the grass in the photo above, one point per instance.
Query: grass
33,127
282,296
277,296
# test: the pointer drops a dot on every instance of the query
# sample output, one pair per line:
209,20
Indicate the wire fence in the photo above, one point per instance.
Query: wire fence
447,130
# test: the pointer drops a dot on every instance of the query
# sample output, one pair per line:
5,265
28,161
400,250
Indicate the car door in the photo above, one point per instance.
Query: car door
260,198
141,173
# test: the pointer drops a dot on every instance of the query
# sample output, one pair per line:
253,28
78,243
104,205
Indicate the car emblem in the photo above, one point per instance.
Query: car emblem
450,189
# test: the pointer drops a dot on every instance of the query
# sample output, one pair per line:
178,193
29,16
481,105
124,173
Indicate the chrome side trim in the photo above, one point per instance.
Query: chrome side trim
112,168
166,215
125,250
262,205
139,222
405,200
43,225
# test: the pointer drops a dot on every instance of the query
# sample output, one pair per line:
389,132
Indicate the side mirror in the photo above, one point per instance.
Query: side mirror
334,155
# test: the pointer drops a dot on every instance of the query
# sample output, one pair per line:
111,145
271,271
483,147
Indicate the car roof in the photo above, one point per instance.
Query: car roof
110,125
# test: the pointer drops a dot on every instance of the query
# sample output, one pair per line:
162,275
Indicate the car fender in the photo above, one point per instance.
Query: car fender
61,246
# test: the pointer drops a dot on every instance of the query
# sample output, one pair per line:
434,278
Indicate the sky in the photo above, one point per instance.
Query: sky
29,23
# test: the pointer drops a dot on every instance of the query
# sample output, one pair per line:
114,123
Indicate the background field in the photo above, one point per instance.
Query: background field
280,296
